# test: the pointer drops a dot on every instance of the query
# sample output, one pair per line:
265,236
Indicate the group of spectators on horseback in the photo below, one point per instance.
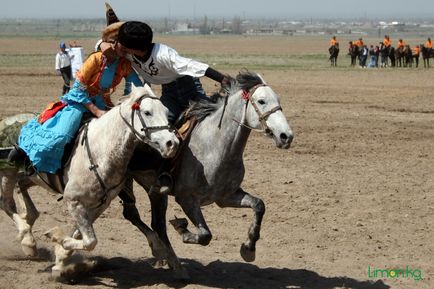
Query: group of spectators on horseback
379,55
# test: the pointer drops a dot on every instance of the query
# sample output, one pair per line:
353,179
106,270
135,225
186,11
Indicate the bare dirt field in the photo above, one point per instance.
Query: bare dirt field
354,193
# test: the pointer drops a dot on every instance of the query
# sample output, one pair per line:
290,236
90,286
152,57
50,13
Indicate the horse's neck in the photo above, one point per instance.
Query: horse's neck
231,139
111,141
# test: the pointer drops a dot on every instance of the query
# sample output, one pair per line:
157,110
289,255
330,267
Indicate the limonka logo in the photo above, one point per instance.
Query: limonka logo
408,273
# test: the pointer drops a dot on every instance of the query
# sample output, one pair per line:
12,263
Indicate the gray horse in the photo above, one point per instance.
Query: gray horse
210,167
94,175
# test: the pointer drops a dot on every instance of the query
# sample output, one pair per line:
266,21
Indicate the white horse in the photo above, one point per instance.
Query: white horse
95,173
210,167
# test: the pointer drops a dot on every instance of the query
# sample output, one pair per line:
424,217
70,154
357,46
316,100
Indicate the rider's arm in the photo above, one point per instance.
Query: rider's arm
214,75
132,77
94,109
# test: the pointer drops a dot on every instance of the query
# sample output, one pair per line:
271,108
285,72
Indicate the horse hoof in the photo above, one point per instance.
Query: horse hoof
28,245
30,251
160,264
247,254
180,223
55,235
56,272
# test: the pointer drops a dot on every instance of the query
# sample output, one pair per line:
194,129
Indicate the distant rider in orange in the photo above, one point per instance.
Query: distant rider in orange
359,43
401,43
334,42
416,54
428,44
387,42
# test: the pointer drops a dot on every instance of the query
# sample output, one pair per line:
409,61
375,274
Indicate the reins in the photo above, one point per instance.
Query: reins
94,168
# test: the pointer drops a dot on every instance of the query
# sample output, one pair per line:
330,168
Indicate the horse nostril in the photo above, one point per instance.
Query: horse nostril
169,144
286,138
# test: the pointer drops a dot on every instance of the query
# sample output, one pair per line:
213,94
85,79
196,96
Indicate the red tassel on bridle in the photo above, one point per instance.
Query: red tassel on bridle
245,95
135,106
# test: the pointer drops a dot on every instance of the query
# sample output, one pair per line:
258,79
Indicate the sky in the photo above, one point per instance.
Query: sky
192,9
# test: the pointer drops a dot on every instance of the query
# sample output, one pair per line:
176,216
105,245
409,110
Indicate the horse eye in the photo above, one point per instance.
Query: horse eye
261,102
148,113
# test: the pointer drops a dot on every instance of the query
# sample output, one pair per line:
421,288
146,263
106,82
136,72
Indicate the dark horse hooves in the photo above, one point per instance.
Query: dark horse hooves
247,254
180,224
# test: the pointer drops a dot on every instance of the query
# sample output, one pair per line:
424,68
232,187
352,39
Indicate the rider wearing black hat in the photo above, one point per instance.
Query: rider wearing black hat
157,63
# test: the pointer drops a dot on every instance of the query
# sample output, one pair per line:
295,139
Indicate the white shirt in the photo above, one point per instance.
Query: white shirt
165,65
77,58
62,60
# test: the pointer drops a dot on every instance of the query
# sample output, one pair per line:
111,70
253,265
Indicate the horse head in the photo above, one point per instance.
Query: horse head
263,110
149,120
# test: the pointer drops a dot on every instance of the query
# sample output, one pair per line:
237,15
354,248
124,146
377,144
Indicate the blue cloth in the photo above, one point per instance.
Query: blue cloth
373,61
176,95
45,144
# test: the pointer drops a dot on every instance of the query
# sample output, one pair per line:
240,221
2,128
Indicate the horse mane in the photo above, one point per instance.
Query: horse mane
245,80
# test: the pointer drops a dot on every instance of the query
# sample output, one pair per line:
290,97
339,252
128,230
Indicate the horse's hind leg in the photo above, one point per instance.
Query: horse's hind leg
29,213
9,179
242,199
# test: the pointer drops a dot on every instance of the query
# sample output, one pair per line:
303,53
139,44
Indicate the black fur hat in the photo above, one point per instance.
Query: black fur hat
135,35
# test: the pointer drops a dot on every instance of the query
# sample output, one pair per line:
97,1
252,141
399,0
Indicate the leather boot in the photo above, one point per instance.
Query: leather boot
17,155
21,161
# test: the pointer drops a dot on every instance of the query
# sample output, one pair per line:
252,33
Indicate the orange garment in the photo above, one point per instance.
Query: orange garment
359,43
90,72
387,42
333,42
416,50
428,44
400,44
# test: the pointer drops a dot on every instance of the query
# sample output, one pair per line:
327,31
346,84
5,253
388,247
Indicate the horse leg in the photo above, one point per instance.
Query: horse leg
29,213
157,240
131,213
83,219
159,208
9,179
242,199
191,208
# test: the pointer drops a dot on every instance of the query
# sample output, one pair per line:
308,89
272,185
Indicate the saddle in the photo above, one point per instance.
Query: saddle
184,126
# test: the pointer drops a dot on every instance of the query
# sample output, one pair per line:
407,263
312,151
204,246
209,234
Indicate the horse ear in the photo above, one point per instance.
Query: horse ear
262,79
139,91
149,90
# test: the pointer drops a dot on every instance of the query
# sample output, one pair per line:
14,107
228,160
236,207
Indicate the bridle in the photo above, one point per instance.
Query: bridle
145,138
247,95
147,130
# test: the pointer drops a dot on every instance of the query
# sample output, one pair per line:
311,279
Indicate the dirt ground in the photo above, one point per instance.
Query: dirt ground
354,193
